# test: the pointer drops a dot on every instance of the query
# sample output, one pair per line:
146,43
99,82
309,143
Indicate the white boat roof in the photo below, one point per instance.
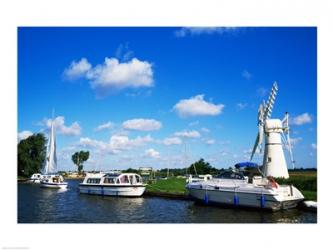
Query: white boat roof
108,174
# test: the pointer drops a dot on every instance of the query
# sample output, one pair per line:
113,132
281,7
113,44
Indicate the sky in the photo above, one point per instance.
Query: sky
166,96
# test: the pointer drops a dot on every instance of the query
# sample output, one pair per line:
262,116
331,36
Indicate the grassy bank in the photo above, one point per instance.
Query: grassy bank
305,181
169,186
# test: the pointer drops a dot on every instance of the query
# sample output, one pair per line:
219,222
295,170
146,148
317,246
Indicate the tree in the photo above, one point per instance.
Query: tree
78,158
31,154
202,167
130,170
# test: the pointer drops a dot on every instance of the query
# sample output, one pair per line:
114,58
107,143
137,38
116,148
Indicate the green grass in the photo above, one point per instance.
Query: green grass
171,185
310,195
305,181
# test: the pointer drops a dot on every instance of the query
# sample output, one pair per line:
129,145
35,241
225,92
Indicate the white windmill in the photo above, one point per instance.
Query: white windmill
275,132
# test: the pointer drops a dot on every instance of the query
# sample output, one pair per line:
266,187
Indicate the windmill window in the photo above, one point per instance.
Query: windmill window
269,159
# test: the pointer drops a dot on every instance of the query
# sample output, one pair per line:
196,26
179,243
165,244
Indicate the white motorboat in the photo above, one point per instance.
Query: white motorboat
262,191
50,179
53,181
113,184
236,190
35,178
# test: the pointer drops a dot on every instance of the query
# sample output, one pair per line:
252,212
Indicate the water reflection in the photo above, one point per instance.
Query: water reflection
38,205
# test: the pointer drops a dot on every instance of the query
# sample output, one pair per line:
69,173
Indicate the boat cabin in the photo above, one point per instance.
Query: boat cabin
53,179
113,179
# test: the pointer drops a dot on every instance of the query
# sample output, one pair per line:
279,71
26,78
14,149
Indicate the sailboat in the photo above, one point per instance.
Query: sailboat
50,177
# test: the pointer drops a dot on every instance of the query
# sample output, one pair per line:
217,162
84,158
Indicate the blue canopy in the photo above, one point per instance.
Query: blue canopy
246,164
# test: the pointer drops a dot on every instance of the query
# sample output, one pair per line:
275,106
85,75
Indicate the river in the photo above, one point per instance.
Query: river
42,205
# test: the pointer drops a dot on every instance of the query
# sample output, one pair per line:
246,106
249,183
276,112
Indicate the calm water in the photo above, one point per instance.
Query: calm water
39,205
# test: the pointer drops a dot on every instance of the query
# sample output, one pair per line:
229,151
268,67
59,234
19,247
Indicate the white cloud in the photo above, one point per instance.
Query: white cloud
241,106
91,161
224,153
142,124
117,75
152,153
262,92
247,151
77,69
205,130
246,74
122,142
301,119
195,123
293,142
87,142
24,135
104,126
116,144
197,106
172,141
210,141
314,145
123,52
63,156
195,31
188,134
113,74
61,128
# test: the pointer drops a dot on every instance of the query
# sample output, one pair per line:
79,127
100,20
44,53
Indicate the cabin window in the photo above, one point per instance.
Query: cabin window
118,181
124,179
94,180
110,180
137,179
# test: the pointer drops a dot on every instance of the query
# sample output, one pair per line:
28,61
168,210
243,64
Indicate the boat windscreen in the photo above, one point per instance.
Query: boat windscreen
231,175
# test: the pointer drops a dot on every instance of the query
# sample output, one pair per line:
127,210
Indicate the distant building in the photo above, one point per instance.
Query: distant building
147,173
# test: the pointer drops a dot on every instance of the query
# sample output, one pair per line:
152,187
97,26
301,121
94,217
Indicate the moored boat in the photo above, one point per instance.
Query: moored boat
113,184
237,191
53,181
35,178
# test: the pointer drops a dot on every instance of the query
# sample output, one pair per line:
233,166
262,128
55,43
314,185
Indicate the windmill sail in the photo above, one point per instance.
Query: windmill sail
51,155
264,113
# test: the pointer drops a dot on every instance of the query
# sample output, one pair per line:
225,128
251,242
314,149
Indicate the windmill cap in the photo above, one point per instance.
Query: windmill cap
273,123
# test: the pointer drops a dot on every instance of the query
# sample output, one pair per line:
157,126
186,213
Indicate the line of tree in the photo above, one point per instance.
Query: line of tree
31,154
197,168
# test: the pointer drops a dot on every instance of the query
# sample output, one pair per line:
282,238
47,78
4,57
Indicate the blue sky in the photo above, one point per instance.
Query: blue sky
136,96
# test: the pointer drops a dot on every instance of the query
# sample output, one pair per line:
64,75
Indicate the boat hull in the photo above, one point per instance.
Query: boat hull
34,181
243,199
108,190
62,185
